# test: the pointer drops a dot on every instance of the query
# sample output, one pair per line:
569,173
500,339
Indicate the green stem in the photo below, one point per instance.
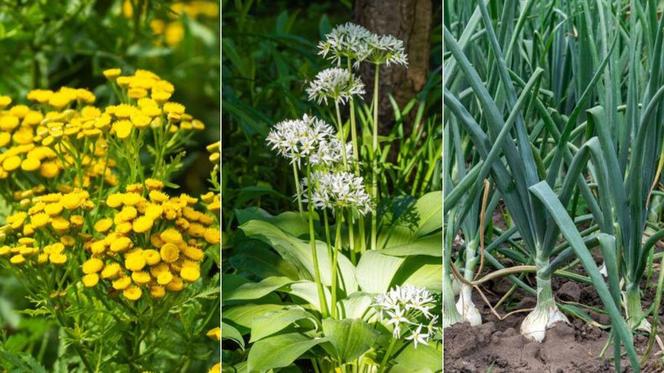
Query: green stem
314,253
335,258
351,236
298,192
353,129
342,135
633,300
386,357
544,290
374,179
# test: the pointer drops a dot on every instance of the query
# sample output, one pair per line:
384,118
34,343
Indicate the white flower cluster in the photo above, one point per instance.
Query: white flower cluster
308,138
335,83
357,44
408,307
347,40
335,190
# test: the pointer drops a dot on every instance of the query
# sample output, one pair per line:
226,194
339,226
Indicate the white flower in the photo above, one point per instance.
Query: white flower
408,307
386,49
346,41
418,337
335,190
335,83
330,152
300,138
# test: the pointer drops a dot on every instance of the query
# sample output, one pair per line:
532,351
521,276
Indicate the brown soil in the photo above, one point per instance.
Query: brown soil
496,346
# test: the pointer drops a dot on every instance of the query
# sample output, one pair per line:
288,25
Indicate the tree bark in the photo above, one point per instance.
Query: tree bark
410,21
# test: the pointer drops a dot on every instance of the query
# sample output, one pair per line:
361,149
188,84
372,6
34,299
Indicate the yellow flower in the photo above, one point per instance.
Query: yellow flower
114,200
90,280
16,220
141,277
193,253
49,170
190,273
112,73
174,33
135,261
121,283
140,120
92,265
5,101
17,259
169,253
132,292
121,244
171,235
164,278
111,270
122,128
175,285
137,93
103,225
39,220
212,235
59,223
57,258
157,291
53,209
174,108
11,163
215,333
142,224
216,368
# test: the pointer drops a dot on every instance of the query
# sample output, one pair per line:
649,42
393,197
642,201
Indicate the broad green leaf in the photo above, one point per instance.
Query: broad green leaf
273,322
298,252
431,245
289,221
245,314
307,291
356,305
255,290
429,209
230,332
375,271
350,338
422,359
279,351
421,271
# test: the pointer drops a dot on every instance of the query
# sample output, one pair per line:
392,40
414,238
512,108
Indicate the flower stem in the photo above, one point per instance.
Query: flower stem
353,130
314,252
342,135
374,154
335,258
386,357
298,192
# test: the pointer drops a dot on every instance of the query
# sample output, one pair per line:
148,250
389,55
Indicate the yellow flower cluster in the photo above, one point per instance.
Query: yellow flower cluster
150,108
51,136
52,220
152,241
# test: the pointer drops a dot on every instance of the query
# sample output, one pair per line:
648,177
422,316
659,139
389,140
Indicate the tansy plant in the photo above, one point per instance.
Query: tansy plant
97,234
336,290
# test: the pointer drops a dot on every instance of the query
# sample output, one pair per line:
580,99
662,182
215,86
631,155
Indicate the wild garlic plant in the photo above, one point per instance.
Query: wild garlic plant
333,281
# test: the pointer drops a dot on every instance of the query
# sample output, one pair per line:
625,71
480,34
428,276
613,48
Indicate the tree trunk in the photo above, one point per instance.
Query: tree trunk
410,21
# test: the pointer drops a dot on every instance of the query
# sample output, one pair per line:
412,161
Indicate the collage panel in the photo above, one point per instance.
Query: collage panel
552,166
110,186
332,186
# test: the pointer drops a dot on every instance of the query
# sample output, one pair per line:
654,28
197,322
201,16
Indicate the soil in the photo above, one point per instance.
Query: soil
496,346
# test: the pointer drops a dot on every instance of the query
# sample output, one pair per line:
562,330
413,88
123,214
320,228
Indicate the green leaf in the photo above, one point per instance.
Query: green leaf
245,314
350,338
421,359
298,252
429,209
279,351
308,291
230,332
421,271
273,322
543,192
375,271
255,290
431,245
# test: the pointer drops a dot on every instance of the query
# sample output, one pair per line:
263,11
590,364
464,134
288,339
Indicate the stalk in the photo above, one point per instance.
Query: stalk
335,258
342,136
314,253
351,236
546,312
635,315
465,305
353,130
297,189
374,154
450,314
386,357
